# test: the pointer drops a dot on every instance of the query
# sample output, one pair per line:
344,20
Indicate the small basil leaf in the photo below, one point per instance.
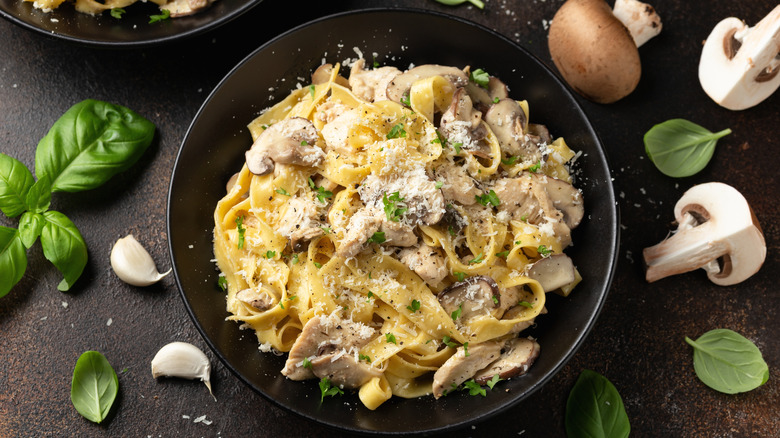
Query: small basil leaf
64,247
15,182
30,227
90,143
595,409
477,3
13,259
728,362
39,196
680,148
94,386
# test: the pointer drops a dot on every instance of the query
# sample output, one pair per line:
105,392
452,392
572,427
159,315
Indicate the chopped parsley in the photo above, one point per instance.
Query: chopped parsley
452,231
321,193
369,295
327,389
492,382
405,100
524,218
474,388
495,299
312,88
364,357
222,282
415,306
397,131
394,207
304,143
282,191
117,13
525,304
326,230
295,259
544,251
535,168
456,314
317,265
241,231
488,198
510,160
378,237
306,363
496,99
439,184
460,276
480,77
270,254
478,259
502,254
376,63
439,139
390,338
457,146
466,349
448,342
165,14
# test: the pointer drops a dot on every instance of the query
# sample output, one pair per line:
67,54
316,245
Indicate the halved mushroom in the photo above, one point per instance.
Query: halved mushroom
371,85
472,297
323,74
517,355
595,52
717,232
460,367
553,272
567,199
739,64
484,98
290,141
462,124
330,344
401,84
506,119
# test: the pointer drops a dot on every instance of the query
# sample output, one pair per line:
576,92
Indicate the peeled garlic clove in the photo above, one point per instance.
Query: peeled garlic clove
133,264
181,359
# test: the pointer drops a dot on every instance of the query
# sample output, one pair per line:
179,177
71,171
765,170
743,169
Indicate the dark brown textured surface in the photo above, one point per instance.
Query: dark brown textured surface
637,342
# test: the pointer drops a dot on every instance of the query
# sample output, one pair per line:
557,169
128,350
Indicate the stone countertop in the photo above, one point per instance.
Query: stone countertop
637,342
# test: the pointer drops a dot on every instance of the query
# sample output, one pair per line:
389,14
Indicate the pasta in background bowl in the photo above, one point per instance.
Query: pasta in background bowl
214,149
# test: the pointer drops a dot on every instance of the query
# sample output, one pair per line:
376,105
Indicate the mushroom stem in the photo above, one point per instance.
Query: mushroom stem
640,19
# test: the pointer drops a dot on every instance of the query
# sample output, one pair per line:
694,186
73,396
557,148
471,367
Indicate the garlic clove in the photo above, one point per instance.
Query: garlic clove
133,264
182,359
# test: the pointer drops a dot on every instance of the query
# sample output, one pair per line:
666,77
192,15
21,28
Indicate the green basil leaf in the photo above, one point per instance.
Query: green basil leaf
728,362
595,409
39,197
680,148
13,259
94,386
15,182
90,143
477,3
30,227
64,247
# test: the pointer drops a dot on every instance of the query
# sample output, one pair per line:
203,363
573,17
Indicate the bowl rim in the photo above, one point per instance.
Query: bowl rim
140,43
613,213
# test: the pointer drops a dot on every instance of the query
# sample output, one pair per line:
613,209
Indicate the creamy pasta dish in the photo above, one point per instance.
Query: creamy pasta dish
396,232
174,8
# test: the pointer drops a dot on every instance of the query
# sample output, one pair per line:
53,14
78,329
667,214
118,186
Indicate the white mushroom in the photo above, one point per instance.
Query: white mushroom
717,231
595,49
739,64
290,141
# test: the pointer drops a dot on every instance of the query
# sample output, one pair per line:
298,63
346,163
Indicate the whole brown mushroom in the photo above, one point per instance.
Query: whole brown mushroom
595,51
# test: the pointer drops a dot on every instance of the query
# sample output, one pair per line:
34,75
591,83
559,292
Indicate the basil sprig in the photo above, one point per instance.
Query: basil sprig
728,362
680,148
94,386
595,409
478,3
88,145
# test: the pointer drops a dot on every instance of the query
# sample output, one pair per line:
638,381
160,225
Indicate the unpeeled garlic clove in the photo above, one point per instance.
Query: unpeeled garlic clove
182,359
133,264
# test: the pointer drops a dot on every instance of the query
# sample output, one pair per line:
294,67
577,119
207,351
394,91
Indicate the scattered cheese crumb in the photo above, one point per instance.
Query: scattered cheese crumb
110,321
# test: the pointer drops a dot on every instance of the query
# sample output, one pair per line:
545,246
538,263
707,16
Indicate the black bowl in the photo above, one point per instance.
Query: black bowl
213,150
133,30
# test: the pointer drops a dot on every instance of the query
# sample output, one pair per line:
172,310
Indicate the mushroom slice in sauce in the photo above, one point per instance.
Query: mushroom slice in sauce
301,222
257,297
462,124
290,141
457,184
553,272
517,355
323,74
427,262
401,84
474,296
330,343
506,119
459,367
484,98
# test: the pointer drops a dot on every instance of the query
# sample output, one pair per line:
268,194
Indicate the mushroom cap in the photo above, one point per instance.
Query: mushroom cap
739,65
594,51
718,232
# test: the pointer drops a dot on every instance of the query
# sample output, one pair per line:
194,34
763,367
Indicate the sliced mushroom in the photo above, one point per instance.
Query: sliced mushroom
401,84
459,367
472,297
323,74
553,272
484,98
506,119
290,141
330,343
462,124
301,221
257,297
517,355
457,184
567,199
371,85
717,232
181,8
427,262
739,64
595,52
